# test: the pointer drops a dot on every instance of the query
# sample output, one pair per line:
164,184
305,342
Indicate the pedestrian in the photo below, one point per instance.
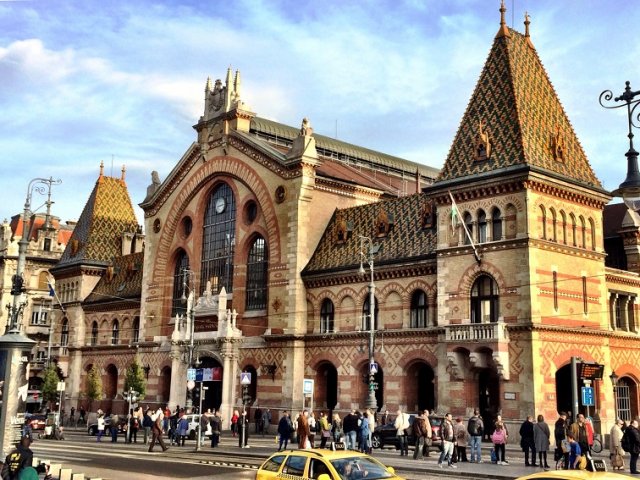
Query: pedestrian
166,415
234,423
115,422
303,430
462,439
385,417
147,425
499,439
364,434
183,428
542,435
616,452
325,430
562,445
257,418
83,412
446,432
313,428
285,428
134,425
336,428
72,416
215,421
580,432
350,427
266,421
372,427
527,441
20,459
475,429
575,452
402,432
101,424
419,427
631,442
156,430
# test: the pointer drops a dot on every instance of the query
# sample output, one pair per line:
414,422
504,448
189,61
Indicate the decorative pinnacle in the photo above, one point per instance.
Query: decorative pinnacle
124,169
207,87
503,31
101,168
527,22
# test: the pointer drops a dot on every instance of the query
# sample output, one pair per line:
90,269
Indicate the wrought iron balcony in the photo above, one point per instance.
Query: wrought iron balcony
477,332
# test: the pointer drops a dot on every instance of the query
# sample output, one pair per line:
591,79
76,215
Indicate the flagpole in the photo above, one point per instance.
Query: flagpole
454,207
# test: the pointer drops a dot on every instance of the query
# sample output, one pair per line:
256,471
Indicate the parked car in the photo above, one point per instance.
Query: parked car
324,465
38,422
384,435
194,423
92,428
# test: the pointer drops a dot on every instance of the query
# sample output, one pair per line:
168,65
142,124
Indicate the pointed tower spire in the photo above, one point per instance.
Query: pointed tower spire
237,84
503,31
207,86
101,170
124,169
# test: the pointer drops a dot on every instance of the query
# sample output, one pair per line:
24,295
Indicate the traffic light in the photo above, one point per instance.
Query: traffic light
17,285
196,393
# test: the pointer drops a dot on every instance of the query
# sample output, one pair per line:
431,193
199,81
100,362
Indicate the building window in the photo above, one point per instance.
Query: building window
618,313
366,314
180,276
482,226
39,315
326,316
624,390
136,330
219,241
94,334
563,221
47,245
554,235
468,222
43,281
584,295
115,332
496,225
555,291
484,300
257,264
418,309
64,336
583,231
574,230
543,221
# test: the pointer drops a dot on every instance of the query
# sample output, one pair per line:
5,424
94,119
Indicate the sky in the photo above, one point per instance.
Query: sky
123,82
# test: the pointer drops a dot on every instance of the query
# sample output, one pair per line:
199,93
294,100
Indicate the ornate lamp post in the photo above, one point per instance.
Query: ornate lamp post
629,190
614,382
191,315
367,257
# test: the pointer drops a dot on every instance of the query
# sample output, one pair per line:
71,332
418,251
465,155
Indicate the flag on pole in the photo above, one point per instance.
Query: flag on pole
455,219
52,291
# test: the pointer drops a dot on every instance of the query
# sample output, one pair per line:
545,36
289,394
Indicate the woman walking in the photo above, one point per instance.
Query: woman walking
541,435
615,446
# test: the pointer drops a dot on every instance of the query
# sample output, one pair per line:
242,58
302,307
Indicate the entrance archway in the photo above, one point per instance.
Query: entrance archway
419,387
326,386
111,383
212,396
627,398
488,397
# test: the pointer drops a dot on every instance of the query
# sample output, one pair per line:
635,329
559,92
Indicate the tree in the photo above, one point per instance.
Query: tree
94,385
50,385
134,379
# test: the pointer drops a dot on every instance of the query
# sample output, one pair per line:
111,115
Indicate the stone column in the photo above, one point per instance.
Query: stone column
624,308
612,310
503,219
230,379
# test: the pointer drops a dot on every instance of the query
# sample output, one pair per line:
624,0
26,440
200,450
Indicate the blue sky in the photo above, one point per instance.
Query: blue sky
122,81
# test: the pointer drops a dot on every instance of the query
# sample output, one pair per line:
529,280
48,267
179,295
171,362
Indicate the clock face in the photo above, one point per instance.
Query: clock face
220,205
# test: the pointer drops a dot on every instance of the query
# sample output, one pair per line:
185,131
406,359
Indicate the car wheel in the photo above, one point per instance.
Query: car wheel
375,441
92,430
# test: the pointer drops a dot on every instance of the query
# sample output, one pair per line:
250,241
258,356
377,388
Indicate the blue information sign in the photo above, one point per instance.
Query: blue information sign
587,396
191,374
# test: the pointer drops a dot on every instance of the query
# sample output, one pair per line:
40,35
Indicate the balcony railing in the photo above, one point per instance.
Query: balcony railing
476,332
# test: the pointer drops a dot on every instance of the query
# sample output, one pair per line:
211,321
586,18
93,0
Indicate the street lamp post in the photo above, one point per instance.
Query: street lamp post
15,348
191,315
614,382
629,190
371,401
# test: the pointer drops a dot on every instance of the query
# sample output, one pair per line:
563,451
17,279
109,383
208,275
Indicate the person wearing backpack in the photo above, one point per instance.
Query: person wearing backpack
475,428
499,439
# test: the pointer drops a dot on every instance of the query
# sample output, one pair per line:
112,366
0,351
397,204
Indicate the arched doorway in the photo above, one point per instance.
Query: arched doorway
627,398
419,388
212,394
326,386
378,378
110,386
488,397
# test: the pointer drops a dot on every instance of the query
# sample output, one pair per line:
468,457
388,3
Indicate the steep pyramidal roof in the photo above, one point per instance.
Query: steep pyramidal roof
108,213
515,118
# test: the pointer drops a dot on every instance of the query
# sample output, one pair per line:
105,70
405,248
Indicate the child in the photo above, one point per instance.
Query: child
499,439
574,453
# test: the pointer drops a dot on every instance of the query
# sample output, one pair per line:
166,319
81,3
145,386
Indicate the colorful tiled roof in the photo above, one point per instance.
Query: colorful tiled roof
407,240
521,117
98,233
122,282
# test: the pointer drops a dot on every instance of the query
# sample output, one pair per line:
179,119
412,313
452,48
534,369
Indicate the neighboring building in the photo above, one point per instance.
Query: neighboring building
258,227
47,240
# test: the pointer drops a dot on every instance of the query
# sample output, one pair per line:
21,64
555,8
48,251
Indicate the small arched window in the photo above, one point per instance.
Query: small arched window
482,226
574,230
583,232
554,236
257,264
115,332
326,316
418,309
563,221
592,226
484,300
135,337
543,222
468,222
366,314
94,333
64,335
496,225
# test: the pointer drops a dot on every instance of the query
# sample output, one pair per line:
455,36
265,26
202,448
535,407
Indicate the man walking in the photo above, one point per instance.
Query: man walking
156,431
285,427
475,428
402,431
446,432
115,421
419,433
350,427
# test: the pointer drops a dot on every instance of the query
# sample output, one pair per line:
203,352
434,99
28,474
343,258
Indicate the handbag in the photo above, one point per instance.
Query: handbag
616,460
326,433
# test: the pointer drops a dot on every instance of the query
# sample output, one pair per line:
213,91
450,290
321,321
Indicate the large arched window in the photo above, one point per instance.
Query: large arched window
115,332
64,336
180,276
135,336
468,222
484,300
482,226
219,239
326,316
496,224
366,314
94,333
257,276
418,309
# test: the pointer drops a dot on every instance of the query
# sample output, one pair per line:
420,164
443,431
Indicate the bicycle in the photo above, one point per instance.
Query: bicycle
597,443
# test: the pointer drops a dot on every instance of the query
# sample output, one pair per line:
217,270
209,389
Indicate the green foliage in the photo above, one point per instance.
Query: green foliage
134,379
94,384
50,384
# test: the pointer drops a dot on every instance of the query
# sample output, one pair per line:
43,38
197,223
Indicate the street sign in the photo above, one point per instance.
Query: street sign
307,386
587,396
245,378
60,387
590,371
373,368
191,374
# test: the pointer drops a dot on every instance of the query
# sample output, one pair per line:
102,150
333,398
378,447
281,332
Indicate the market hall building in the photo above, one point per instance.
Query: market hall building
253,245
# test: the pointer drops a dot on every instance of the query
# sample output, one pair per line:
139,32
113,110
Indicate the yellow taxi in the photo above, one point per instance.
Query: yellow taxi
320,464
574,475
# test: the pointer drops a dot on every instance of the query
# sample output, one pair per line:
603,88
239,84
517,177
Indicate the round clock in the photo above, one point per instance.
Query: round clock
220,205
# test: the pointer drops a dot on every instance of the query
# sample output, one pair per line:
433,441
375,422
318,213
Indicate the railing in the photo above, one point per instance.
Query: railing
476,332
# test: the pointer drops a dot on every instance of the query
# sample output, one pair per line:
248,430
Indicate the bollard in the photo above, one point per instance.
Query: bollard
65,474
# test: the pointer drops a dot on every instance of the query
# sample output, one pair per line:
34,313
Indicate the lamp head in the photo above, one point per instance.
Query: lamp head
361,269
613,377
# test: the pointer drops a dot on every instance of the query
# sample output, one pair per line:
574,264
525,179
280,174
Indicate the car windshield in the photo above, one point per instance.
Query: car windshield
352,468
